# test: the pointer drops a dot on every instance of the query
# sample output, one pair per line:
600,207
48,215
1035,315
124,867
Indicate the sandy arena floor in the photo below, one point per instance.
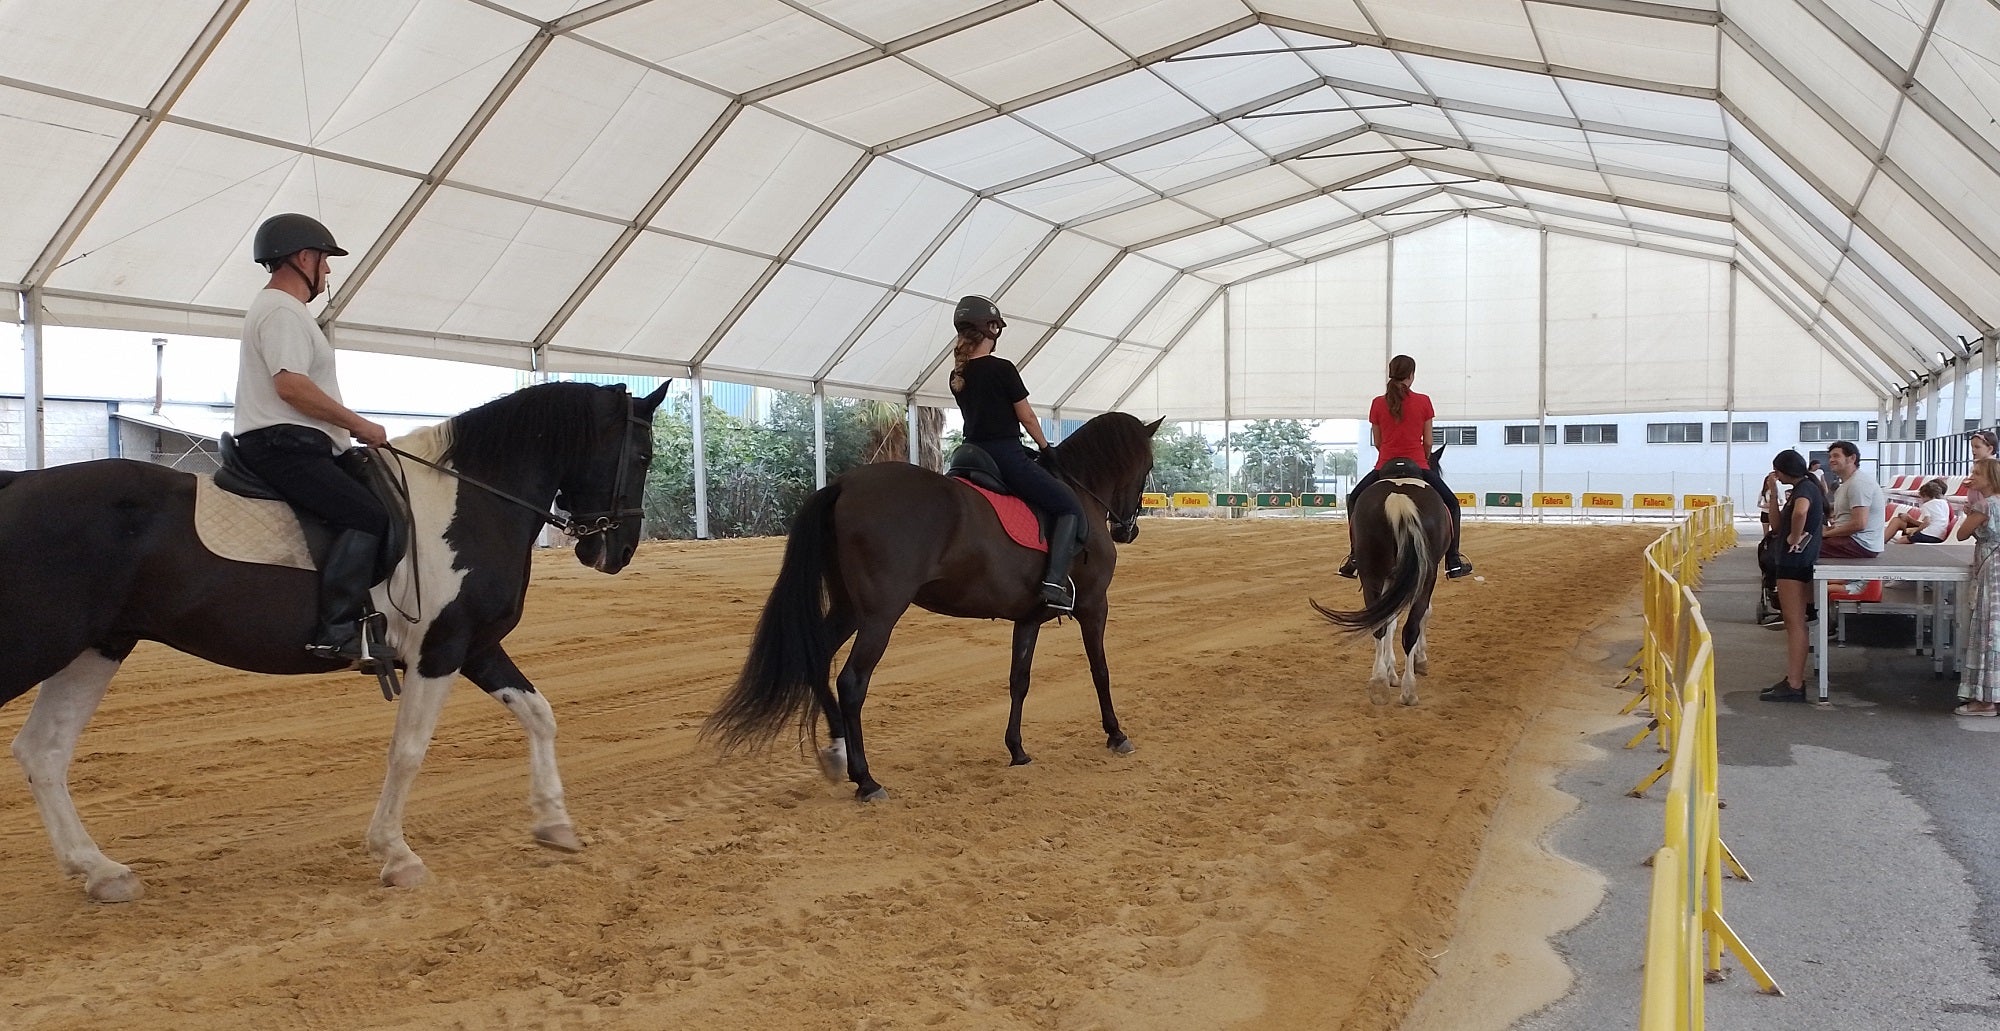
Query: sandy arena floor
1278,853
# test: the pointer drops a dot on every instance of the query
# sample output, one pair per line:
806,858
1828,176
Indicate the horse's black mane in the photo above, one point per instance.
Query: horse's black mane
1105,447
546,422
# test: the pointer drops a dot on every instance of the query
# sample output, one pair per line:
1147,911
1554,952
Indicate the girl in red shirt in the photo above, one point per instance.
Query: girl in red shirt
1399,424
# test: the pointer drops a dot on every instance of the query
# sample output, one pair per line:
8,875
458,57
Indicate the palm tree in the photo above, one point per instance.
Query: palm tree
889,436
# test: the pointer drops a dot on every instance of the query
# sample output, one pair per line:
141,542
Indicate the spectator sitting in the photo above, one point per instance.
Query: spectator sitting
1924,524
1857,507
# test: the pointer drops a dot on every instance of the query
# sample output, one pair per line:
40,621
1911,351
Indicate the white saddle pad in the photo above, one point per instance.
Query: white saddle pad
248,530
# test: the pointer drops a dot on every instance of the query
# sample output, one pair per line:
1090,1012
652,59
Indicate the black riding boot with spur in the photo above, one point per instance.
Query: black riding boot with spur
1056,593
348,628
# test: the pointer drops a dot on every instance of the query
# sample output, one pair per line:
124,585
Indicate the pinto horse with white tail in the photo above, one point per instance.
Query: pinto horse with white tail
1402,530
98,556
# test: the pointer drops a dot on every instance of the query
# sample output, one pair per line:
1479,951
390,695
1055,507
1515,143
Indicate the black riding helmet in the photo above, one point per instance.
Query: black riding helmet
974,312
282,236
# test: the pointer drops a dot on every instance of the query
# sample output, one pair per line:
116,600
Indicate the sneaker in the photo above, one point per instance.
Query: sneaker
1772,618
1786,695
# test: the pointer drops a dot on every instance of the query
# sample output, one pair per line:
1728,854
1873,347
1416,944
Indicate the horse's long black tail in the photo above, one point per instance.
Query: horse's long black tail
1413,556
791,650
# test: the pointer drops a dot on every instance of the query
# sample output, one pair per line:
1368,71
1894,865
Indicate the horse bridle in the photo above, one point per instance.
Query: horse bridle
591,523
587,524
1127,524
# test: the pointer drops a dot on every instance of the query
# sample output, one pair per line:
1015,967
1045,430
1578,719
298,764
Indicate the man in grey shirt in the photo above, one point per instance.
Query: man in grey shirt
1858,507
291,426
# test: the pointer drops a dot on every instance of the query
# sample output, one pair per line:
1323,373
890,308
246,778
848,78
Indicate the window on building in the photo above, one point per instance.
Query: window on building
1741,432
1874,428
1673,433
1812,432
1971,423
1591,433
1530,435
1456,436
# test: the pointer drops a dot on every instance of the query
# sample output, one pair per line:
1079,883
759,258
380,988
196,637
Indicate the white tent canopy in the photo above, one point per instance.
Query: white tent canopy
1196,208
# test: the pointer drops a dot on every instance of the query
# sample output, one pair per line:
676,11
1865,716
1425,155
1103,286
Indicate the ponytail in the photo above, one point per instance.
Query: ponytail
1401,368
962,346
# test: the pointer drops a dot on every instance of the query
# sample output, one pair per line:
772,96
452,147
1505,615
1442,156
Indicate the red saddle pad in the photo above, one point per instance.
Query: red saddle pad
1016,516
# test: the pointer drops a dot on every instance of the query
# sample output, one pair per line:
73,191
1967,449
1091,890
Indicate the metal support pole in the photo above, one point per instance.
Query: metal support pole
819,435
34,402
159,373
910,428
1542,374
697,395
1961,383
1729,397
1228,455
1989,408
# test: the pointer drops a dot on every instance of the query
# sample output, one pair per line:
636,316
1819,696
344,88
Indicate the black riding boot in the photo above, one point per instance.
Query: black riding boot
1063,543
344,580
1347,565
1455,564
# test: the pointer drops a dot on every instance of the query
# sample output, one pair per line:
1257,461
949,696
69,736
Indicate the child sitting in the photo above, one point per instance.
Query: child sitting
1926,523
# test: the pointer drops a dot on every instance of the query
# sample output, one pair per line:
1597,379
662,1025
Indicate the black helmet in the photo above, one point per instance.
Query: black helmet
976,312
282,236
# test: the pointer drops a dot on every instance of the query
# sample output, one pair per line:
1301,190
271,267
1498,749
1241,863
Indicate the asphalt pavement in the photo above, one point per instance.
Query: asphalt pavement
1870,827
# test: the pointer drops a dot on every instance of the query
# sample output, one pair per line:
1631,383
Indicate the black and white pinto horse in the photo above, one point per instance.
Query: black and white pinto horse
98,556
1402,529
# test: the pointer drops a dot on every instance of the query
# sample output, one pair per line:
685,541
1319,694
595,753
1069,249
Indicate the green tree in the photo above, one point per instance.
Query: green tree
1183,461
1274,455
1341,463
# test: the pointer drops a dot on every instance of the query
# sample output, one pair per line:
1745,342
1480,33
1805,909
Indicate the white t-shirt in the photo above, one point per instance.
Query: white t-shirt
1860,491
1937,514
279,335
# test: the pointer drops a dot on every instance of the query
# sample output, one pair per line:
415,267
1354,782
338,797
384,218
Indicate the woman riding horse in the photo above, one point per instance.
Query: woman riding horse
1399,425
994,402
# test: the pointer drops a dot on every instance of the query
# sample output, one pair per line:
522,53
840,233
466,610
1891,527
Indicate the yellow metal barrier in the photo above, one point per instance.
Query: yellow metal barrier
1686,934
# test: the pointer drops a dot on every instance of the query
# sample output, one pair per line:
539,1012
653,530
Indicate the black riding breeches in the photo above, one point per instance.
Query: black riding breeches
1030,482
298,461
1437,484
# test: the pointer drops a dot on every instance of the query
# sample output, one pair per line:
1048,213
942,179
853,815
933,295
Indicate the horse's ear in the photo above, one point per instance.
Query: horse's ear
1154,426
652,401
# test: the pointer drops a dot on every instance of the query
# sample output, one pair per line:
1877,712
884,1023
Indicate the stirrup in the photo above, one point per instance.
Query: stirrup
1347,568
1458,569
377,658
1057,598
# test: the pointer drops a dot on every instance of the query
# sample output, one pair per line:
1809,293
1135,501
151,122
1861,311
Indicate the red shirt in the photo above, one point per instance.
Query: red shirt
1402,438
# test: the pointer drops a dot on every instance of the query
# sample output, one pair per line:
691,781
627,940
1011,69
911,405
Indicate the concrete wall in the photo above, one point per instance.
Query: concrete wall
1632,465
73,431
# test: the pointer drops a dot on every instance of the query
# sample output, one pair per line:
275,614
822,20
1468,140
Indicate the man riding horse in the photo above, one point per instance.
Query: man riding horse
292,427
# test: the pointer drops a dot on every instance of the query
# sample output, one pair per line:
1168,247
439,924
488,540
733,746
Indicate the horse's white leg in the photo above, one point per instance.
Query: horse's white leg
1416,663
44,746
545,791
1385,664
416,719
1420,657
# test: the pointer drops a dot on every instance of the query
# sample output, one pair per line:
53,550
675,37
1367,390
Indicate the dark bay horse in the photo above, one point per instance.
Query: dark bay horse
1402,530
886,536
98,556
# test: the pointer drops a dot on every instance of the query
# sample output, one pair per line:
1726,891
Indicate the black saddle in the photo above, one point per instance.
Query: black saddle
971,463
1402,467
236,478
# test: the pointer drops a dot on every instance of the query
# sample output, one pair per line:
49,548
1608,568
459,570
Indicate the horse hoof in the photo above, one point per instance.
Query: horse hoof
833,762
1410,700
123,886
876,794
1122,746
407,875
1021,760
561,837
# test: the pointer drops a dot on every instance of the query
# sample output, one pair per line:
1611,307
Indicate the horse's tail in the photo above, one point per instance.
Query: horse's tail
1413,556
791,650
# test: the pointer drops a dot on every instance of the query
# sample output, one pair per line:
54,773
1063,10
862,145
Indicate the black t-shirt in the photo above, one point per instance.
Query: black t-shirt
992,385
1806,492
